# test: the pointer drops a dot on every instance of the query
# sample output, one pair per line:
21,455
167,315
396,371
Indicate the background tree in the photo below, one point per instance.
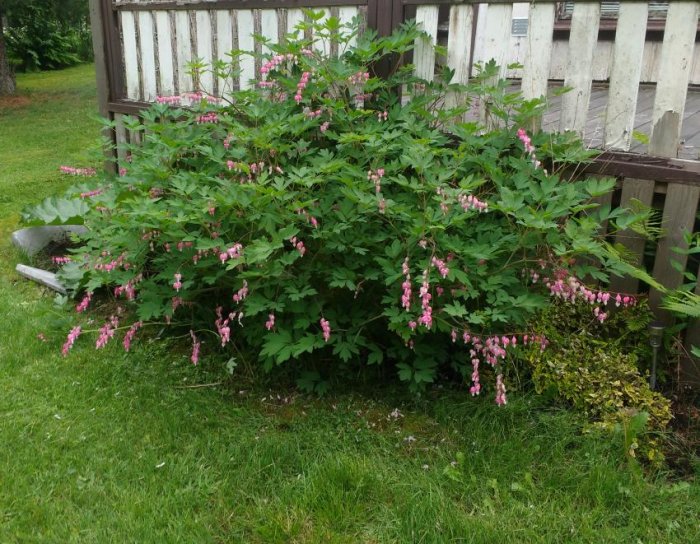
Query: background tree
42,34
7,76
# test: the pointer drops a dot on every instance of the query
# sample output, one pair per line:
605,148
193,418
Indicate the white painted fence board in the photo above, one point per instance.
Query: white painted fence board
269,27
579,67
224,45
538,54
184,51
625,74
424,52
459,41
323,44
346,15
165,53
294,17
246,43
674,71
496,40
204,49
131,63
479,36
148,57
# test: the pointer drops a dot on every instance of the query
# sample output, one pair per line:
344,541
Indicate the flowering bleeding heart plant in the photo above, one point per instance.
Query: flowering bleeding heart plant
321,218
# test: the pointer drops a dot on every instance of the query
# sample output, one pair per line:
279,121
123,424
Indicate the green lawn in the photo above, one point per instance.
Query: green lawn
109,447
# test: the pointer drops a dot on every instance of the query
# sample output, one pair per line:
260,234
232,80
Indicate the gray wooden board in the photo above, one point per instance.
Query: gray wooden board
679,217
641,190
642,121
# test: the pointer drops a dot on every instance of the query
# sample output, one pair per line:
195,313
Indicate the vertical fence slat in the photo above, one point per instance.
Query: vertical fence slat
625,74
246,43
224,45
135,137
579,66
131,62
294,17
120,135
424,52
538,55
184,50
322,44
496,42
269,26
669,105
166,46
459,42
674,72
204,49
680,209
346,15
641,190
148,59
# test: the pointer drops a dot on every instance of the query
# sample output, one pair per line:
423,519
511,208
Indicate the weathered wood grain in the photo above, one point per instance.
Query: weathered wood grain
148,55
679,214
294,17
121,139
224,45
166,48
579,65
459,42
184,51
672,88
130,48
642,191
538,54
625,75
680,207
496,39
346,15
424,51
246,43
268,20
204,49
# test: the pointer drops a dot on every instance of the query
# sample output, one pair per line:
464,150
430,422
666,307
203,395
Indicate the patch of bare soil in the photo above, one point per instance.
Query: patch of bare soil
14,102
683,456
46,258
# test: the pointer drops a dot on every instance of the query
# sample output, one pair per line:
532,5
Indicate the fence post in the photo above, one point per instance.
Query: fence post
97,24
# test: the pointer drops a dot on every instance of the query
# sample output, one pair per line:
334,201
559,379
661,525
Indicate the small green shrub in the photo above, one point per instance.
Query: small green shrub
596,367
318,221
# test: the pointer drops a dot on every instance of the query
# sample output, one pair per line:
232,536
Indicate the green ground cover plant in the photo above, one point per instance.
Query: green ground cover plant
107,446
600,369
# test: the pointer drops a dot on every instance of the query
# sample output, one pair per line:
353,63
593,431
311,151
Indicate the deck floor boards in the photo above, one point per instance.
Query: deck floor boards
593,134
594,130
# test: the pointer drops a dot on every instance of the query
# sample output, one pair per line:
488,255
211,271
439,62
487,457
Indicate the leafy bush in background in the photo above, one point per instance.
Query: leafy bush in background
45,35
318,222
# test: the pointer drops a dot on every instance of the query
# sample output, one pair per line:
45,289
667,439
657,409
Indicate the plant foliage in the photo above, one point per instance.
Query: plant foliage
320,221
599,368
47,34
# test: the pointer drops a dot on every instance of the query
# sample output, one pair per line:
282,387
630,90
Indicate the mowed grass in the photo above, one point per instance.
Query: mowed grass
104,446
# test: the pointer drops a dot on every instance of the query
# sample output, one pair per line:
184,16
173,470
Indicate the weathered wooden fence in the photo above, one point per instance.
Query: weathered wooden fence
143,46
